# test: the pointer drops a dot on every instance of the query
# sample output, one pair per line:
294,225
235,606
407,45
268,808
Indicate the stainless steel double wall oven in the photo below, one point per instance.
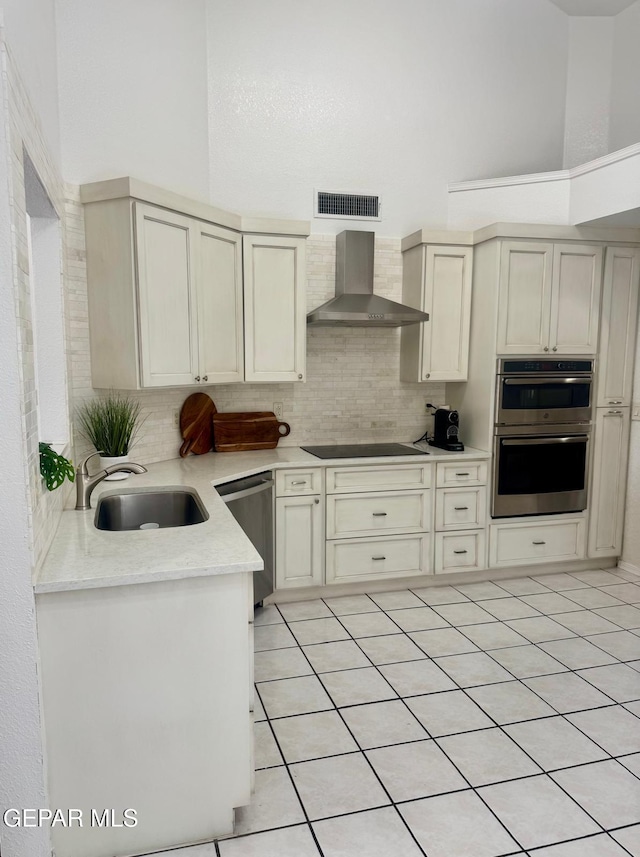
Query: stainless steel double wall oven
541,438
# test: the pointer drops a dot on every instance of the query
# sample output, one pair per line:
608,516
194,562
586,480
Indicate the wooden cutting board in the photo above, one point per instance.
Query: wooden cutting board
237,432
195,424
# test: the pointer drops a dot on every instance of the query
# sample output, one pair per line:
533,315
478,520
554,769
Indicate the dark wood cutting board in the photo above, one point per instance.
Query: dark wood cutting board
237,432
195,424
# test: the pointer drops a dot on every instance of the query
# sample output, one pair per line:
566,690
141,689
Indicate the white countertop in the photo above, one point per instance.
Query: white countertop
83,557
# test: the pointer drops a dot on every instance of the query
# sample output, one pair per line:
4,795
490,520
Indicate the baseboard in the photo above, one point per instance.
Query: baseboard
628,566
422,581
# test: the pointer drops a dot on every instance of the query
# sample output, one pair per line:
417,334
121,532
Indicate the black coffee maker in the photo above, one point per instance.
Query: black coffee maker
445,430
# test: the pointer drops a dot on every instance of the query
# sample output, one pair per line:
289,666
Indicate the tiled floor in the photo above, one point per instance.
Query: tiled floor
475,720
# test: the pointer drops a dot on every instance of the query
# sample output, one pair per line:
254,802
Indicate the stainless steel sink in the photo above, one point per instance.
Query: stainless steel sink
149,510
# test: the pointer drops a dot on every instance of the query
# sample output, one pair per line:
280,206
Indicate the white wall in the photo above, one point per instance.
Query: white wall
588,89
21,763
30,33
398,98
625,111
133,92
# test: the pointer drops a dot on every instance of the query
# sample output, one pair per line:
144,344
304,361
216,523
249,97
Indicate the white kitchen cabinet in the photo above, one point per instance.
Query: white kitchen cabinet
170,305
146,700
382,477
549,298
464,551
608,483
438,280
614,378
357,560
461,508
292,483
381,513
299,542
528,542
275,308
461,473
575,298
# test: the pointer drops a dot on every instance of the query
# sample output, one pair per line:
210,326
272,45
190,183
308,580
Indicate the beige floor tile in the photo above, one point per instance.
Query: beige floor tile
607,790
310,631
595,846
418,619
390,649
312,736
293,696
354,687
413,678
287,842
621,644
615,729
276,636
267,754
577,653
297,610
555,743
619,681
273,804
527,661
440,595
411,771
509,608
337,786
345,605
447,713
382,723
369,624
443,641
344,655
382,830
510,702
474,669
396,600
540,629
281,663
567,692
488,756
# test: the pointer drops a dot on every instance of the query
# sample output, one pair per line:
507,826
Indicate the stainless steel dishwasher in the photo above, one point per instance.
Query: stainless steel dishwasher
250,501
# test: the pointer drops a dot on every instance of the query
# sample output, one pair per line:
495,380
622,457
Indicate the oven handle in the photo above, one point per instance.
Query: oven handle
527,381
535,441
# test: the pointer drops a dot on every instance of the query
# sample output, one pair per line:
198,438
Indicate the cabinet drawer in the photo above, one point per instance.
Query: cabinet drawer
548,541
389,477
376,559
385,513
460,551
290,483
461,473
460,508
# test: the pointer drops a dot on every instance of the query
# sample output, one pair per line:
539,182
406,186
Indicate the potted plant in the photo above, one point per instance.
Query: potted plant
54,468
111,425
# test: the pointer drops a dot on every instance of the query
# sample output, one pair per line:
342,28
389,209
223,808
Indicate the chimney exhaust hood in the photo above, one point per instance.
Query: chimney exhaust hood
355,304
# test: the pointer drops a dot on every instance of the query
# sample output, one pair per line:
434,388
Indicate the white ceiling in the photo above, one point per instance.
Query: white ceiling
593,7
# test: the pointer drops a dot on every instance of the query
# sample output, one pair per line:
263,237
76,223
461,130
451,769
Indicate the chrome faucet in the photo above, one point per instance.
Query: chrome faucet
85,483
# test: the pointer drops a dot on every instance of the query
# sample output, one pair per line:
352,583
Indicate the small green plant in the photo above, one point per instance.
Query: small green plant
54,468
110,424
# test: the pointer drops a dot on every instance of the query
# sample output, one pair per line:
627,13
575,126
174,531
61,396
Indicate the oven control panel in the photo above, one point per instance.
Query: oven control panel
552,367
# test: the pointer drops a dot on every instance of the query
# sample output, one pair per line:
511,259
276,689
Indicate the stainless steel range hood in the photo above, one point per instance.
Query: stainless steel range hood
355,305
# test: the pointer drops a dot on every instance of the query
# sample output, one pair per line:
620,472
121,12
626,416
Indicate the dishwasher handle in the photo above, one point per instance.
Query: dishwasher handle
247,492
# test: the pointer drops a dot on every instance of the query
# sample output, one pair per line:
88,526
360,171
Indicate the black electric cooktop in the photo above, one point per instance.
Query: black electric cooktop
362,450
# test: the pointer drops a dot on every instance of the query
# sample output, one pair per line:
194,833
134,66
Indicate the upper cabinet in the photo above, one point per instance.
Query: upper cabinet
275,308
437,279
549,298
618,326
176,300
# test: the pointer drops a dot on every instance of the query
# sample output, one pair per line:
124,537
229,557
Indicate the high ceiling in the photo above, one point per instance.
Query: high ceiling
593,7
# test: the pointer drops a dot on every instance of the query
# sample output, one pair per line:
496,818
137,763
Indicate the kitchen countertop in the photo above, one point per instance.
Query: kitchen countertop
83,557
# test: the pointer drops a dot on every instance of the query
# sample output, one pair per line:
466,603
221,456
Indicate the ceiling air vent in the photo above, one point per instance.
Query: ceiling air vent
347,206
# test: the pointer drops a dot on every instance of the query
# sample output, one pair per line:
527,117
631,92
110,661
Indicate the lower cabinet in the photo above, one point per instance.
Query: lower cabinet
540,541
299,541
462,551
354,560
608,482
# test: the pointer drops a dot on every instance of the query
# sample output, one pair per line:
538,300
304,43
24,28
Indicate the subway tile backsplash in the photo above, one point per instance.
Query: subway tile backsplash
352,393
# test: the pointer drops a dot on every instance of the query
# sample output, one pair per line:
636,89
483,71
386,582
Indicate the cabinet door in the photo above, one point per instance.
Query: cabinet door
166,297
575,301
219,293
618,326
611,450
299,542
275,308
525,298
447,299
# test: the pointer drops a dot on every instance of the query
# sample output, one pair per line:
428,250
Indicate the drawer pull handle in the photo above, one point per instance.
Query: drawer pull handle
379,514
299,482
462,474
539,543
378,557
615,402
461,508
464,551
615,412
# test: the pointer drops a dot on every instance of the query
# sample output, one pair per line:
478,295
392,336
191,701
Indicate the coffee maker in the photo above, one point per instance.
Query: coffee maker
445,430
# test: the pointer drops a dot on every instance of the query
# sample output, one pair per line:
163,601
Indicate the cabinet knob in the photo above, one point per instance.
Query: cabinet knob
316,501
205,378
546,348
555,348
427,374
299,377
198,378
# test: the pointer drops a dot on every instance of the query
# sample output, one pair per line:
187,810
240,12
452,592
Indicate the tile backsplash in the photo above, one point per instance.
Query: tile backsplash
352,393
